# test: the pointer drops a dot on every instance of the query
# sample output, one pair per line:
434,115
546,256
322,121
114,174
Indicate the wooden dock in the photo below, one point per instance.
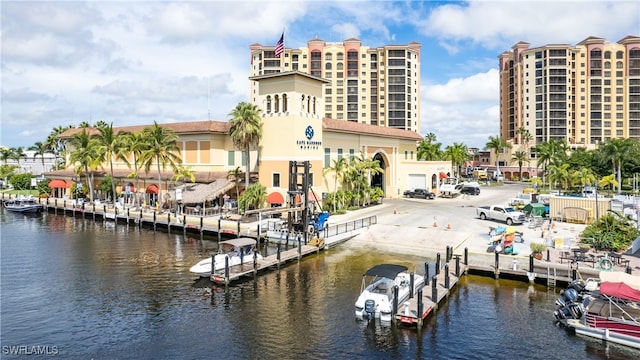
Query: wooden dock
428,298
251,268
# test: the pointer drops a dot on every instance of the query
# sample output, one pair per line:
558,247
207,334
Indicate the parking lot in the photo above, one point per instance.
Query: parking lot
425,227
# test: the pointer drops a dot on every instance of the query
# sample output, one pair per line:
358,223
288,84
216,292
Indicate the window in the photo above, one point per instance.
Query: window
275,180
352,154
339,153
231,158
327,157
244,159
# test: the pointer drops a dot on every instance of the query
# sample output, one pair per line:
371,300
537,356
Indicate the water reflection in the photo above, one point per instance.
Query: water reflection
114,291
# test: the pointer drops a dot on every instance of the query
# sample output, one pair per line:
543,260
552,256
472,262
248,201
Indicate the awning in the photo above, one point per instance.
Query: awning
57,184
275,198
152,189
443,175
313,197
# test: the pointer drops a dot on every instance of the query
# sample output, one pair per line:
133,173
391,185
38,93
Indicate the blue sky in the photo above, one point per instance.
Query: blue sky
131,63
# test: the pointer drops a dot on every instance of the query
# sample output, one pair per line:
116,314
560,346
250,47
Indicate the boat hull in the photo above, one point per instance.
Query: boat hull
608,329
203,267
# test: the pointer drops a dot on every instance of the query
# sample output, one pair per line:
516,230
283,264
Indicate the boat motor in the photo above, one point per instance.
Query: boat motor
370,308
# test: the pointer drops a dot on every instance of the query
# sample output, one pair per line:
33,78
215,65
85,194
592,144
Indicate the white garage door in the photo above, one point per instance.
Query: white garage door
417,181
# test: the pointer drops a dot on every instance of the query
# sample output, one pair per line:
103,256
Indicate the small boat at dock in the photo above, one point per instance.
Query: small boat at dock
377,294
238,251
23,205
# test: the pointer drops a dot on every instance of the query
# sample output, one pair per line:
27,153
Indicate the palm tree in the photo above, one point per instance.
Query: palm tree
134,144
585,177
183,173
609,180
559,173
458,154
235,174
110,145
40,149
84,154
161,149
55,145
520,157
338,169
5,154
552,151
619,151
497,144
246,131
17,154
429,149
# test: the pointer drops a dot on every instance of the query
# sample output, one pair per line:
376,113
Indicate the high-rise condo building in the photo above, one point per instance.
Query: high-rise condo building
371,85
584,94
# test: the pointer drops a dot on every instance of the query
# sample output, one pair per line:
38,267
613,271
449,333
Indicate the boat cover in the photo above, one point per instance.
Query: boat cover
632,281
239,242
389,271
620,290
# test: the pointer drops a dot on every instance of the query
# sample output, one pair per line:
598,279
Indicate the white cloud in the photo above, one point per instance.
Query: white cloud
462,109
491,24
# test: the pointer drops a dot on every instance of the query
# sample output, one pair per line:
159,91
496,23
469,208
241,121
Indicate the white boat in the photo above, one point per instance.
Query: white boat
238,251
376,298
450,187
23,205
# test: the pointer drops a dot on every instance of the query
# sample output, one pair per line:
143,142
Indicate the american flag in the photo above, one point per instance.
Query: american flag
279,46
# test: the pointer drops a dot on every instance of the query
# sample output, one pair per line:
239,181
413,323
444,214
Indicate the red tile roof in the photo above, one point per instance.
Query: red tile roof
359,128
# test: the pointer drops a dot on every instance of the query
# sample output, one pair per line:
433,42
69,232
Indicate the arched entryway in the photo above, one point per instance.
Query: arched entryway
378,180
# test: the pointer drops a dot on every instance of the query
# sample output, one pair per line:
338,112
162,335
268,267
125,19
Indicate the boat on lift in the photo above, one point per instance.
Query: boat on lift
238,251
377,294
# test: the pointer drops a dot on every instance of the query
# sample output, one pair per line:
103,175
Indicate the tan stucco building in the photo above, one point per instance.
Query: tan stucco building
293,129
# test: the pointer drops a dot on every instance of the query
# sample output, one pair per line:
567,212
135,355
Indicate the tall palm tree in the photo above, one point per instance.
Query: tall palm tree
520,157
246,131
109,145
585,177
161,150
57,146
84,154
40,149
134,144
497,144
338,169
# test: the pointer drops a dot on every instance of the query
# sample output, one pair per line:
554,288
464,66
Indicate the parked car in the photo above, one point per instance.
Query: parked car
470,190
500,213
420,193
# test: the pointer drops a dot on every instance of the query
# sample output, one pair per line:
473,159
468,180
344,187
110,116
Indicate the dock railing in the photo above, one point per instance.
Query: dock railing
342,228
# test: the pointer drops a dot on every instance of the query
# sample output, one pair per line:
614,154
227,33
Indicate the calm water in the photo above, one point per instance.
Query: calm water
81,290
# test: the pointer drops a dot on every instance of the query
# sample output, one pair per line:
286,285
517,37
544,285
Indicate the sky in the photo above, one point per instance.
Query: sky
133,63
